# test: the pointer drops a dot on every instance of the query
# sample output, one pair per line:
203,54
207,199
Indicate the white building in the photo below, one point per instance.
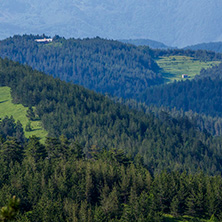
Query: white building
45,40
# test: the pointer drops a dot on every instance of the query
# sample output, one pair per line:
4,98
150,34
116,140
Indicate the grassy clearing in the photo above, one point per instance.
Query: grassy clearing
18,111
170,218
174,66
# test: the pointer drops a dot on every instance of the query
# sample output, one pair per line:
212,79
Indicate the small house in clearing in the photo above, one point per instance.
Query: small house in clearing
184,76
45,40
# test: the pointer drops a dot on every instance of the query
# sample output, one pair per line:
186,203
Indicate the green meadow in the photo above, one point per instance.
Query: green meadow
18,111
173,67
170,218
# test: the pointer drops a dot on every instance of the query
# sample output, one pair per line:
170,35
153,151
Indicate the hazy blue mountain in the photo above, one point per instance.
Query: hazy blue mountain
173,22
151,43
211,46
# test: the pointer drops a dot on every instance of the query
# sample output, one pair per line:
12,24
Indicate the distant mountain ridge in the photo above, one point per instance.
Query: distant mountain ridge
146,42
211,46
175,23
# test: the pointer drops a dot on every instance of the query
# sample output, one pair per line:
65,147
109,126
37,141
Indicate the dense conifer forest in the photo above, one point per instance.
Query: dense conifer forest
104,160
58,182
95,120
213,73
201,96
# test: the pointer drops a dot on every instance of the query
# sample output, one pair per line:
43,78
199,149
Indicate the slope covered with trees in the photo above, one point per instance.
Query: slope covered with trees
97,122
102,65
213,73
123,71
103,161
201,96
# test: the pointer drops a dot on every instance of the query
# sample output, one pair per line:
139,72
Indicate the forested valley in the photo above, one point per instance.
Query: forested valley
110,159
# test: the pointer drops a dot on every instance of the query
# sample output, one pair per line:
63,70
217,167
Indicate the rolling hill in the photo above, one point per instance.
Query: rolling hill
102,65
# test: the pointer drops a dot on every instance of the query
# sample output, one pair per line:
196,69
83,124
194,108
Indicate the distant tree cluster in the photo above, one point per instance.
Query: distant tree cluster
214,73
202,96
202,55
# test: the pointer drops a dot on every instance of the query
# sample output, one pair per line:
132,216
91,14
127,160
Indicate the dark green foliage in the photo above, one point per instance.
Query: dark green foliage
202,55
212,125
11,151
104,189
102,65
35,149
28,127
8,127
121,70
95,121
30,114
9,212
214,72
202,96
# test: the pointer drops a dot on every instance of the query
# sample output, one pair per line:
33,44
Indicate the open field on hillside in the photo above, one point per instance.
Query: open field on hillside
173,67
170,218
18,111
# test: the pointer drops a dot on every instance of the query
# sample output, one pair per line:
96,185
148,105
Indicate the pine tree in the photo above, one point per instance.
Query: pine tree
28,127
175,206
35,149
11,150
30,114
9,212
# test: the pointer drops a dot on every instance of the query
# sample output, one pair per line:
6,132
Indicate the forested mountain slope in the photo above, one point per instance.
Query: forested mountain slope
121,70
96,121
214,73
102,65
201,96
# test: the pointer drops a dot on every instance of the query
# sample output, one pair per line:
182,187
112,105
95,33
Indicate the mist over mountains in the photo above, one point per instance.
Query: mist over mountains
175,23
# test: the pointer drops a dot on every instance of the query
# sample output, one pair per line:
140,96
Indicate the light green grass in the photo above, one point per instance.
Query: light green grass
18,111
170,218
173,67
